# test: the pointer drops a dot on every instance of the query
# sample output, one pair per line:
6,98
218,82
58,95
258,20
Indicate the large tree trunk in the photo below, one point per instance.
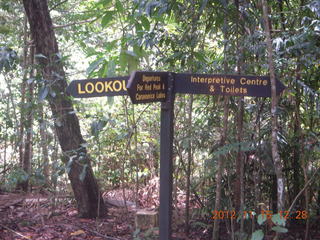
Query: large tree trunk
86,191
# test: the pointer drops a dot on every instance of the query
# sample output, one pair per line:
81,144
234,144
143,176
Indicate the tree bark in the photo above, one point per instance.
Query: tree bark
217,206
189,164
28,149
23,91
86,191
274,104
44,144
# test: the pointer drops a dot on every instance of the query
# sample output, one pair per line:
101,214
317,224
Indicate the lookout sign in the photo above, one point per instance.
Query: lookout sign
99,87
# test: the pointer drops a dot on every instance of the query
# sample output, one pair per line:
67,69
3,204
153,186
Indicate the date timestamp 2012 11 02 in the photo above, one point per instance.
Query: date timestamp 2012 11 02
232,214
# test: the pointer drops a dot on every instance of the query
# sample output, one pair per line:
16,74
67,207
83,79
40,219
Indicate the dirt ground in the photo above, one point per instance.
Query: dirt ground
40,217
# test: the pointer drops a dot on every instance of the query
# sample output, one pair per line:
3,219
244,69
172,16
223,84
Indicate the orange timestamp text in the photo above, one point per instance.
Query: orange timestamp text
232,214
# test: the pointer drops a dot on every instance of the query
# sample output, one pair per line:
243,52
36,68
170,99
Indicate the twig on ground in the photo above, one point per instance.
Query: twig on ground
99,234
11,230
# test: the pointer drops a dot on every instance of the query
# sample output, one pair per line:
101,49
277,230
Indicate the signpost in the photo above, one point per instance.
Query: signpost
148,87
166,151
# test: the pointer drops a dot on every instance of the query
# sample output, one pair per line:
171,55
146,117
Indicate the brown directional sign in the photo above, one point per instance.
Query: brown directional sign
99,87
230,85
147,87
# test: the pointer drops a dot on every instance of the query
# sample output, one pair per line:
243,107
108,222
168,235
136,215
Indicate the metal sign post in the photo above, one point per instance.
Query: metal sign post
166,145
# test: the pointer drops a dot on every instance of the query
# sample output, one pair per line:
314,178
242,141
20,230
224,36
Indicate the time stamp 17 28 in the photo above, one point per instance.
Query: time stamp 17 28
232,214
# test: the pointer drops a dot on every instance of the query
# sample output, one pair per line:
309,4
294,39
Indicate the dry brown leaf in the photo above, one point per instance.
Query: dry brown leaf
76,233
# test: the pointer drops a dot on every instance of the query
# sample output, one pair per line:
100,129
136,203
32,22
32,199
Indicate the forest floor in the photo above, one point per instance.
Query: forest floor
36,216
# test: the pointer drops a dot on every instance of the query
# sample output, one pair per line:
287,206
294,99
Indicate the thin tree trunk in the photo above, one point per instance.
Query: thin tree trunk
44,144
239,191
215,234
86,191
274,104
239,183
306,195
223,137
28,149
5,144
189,163
23,91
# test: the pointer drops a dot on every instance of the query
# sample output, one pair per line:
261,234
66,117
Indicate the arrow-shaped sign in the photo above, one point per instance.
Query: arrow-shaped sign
229,85
146,87
99,87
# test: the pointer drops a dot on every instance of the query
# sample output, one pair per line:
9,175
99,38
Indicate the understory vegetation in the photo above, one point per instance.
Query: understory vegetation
223,153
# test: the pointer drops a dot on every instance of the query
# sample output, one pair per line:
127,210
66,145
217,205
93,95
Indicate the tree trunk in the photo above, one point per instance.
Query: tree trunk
86,191
44,144
217,207
23,90
189,163
274,104
28,149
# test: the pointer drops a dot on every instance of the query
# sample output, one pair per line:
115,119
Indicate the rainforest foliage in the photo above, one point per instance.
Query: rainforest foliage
223,151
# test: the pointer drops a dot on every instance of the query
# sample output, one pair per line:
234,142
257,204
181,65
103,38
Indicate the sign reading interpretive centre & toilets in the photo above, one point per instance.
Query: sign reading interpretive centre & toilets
228,85
148,87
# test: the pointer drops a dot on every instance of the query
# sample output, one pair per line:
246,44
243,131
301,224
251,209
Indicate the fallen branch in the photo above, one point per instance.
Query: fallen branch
12,203
99,234
11,230
6,169
75,23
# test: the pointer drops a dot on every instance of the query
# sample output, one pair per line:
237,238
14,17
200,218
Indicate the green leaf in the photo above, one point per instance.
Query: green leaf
40,56
278,220
43,93
97,126
94,65
139,29
279,229
105,3
123,60
119,6
200,57
145,23
257,235
4,29
110,100
107,18
261,219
